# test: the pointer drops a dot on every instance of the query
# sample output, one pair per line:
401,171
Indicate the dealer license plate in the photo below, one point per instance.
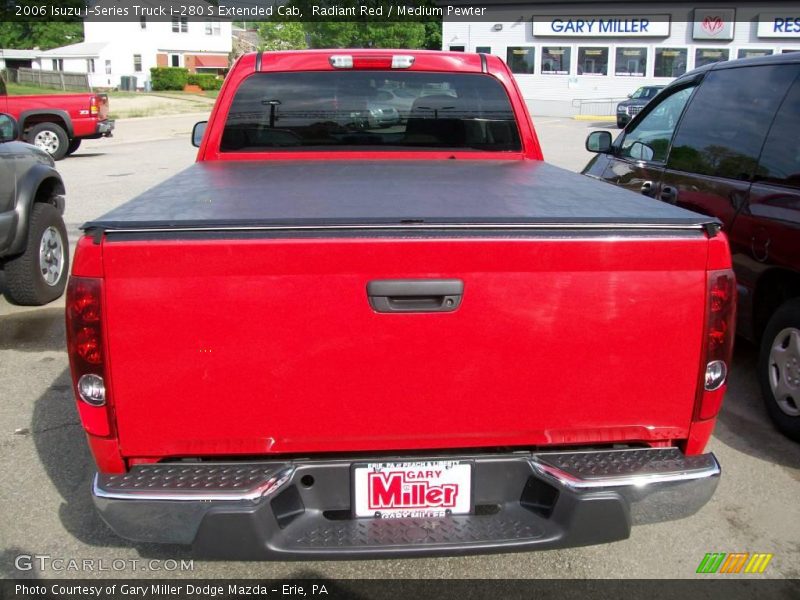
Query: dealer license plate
412,489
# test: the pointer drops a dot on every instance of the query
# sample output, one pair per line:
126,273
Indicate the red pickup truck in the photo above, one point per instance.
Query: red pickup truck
334,336
57,123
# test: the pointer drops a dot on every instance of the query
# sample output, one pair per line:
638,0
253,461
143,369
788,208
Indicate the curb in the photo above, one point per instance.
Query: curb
604,118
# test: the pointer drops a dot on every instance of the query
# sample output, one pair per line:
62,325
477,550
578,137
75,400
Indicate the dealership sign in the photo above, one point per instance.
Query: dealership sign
602,26
713,24
779,25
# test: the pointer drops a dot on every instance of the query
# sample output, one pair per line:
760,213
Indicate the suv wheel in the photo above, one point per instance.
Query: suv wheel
49,137
779,368
620,123
39,274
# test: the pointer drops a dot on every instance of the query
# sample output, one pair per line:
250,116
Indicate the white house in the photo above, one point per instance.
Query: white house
112,50
11,58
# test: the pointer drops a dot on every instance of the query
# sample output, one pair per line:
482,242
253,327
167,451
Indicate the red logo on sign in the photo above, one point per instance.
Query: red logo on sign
398,490
713,25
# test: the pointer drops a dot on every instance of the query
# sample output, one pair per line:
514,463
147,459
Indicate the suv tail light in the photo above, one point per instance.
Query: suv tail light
87,357
718,343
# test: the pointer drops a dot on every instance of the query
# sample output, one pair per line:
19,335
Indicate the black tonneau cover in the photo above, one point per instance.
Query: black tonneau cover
387,193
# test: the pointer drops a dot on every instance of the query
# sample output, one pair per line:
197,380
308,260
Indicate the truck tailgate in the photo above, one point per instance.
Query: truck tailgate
255,345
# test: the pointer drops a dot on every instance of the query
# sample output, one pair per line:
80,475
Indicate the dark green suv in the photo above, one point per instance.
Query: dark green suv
34,253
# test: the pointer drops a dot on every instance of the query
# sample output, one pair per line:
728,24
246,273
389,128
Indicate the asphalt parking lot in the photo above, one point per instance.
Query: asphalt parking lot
45,466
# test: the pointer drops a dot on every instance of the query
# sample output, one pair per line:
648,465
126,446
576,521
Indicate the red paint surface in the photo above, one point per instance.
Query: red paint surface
272,347
77,106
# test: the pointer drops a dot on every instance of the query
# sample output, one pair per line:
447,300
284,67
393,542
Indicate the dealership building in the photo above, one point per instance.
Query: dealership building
572,58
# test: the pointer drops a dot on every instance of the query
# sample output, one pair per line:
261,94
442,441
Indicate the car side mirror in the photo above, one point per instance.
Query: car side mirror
629,96
197,133
641,151
599,141
9,130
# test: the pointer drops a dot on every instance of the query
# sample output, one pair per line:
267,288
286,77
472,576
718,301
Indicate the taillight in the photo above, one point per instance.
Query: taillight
718,342
98,106
87,356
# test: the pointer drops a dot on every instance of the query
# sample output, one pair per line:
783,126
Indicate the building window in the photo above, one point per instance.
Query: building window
457,48
706,56
483,49
555,60
90,65
753,52
592,61
631,62
521,59
174,60
58,64
137,63
108,67
670,62
180,25
143,22
212,28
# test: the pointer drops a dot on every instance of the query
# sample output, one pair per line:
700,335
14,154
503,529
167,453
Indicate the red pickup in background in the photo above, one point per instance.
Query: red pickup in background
57,123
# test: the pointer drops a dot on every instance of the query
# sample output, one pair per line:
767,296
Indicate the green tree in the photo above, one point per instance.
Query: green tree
354,32
282,35
433,35
366,35
42,34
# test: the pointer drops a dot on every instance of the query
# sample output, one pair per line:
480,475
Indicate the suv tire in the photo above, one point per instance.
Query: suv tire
51,138
779,368
39,275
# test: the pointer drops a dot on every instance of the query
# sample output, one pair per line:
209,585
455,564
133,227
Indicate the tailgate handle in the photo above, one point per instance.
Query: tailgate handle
415,295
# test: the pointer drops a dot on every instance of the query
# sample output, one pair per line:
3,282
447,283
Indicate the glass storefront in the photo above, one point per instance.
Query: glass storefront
593,61
670,62
706,56
556,60
521,59
631,62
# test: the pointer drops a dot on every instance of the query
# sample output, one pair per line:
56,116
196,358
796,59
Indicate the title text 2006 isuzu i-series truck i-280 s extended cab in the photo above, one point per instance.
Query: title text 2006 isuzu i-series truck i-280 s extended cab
343,334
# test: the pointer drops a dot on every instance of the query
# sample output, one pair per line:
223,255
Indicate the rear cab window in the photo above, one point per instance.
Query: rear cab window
370,110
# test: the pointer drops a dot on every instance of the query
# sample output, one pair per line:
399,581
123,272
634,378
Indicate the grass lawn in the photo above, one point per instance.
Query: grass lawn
189,96
126,105
16,89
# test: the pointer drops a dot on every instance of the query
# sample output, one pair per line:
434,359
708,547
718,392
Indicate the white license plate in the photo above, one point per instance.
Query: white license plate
412,489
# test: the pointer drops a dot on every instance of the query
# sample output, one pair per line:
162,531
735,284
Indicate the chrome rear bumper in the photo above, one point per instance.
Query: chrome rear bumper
522,501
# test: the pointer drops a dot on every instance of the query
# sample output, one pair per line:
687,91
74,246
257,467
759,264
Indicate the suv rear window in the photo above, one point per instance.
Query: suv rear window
370,110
